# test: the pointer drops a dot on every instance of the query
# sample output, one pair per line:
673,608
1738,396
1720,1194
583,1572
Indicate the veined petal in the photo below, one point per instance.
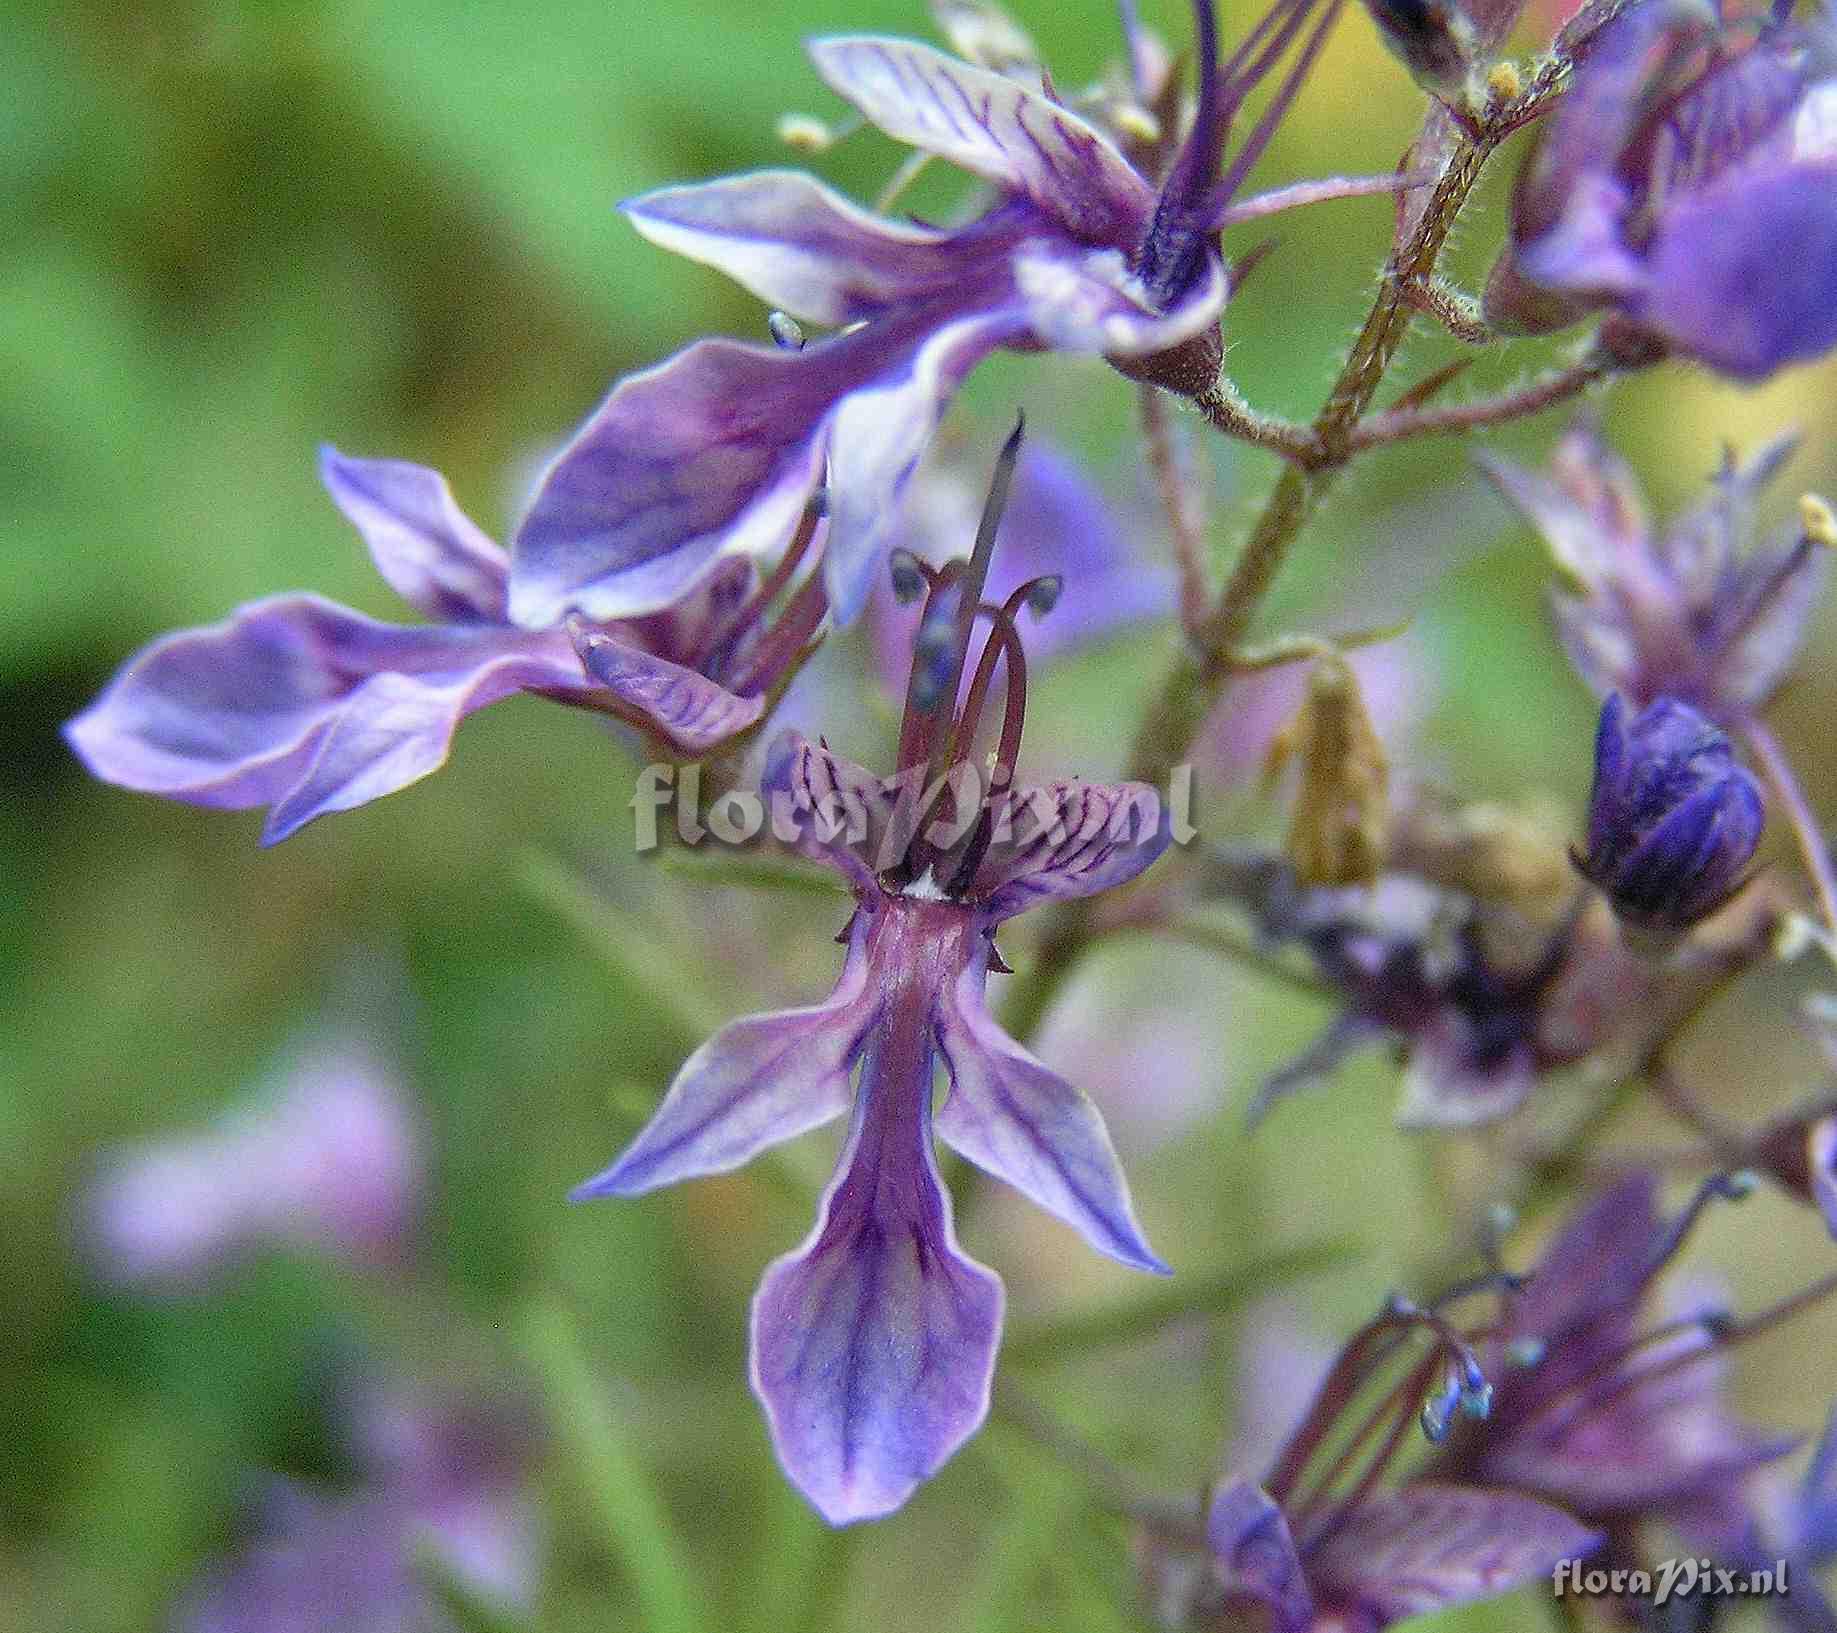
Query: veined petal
878,434
831,809
755,1083
1070,839
798,244
873,1344
1018,1120
1428,1546
429,550
1254,1553
1086,300
993,127
695,713
299,701
712,453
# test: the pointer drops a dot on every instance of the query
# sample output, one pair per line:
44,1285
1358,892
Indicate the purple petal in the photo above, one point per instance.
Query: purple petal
879,432
1743,272
1071,839
754,1084
1254,1553
1428,1546
1018,1120
695,713
712,453
304,704
1821,1151
431,553
993,127
799,245
873,1345
831,809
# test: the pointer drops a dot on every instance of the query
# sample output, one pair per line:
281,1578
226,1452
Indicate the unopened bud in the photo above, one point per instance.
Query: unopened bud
786,331
803,134
1341,821
1431,38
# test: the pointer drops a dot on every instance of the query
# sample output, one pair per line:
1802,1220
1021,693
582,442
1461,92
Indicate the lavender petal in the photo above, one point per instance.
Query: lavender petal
757,1082
1018,1120
1071,839
695,713
873,1344
303,704
431,553
1254,1553
994,127
799,245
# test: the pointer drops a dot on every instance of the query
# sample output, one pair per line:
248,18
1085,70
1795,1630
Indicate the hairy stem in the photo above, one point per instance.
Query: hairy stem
1812,846
1557,386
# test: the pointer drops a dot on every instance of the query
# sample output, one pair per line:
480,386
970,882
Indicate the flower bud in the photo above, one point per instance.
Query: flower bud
1673,820
1431,38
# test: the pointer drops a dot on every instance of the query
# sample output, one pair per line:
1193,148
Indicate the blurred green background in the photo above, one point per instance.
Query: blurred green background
232,232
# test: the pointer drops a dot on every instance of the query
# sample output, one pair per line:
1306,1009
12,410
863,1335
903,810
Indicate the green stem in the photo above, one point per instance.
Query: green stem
1203,668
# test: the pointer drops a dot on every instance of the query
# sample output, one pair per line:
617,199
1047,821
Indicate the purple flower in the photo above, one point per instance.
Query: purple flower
328,1159
714,452
1057,522
1689,185
1685,613
1673,820
1599,1407
442,1475
307,707
873,1344
1321,1541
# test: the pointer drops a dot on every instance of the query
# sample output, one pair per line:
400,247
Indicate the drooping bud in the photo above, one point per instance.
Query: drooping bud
1673,820
1431,38
1341,819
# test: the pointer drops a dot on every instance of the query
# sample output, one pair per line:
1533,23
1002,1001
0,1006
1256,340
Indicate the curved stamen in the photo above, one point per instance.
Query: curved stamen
803,614
754,608
934,673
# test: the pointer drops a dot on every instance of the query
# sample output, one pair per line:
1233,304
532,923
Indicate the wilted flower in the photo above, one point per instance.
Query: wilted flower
713,453
1673,820
873,1344
329,1159
1328,1538
1689,185
307,707
1471,952
437,1475
1687,613
1601,1405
